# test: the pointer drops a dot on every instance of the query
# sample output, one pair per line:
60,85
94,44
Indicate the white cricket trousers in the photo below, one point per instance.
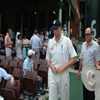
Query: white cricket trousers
59,84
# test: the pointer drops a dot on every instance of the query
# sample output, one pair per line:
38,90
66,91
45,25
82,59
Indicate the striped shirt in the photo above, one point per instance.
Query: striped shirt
27,65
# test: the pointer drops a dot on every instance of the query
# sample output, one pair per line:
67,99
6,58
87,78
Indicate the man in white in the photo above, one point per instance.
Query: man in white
60,55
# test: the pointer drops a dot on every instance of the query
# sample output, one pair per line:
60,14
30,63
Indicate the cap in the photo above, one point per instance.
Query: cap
30,52
18,33
56,23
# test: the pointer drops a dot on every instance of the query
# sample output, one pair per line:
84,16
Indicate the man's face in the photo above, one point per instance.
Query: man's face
57,31
10,32
88,35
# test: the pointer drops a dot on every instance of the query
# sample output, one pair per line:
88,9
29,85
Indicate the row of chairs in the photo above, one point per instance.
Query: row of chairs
16,70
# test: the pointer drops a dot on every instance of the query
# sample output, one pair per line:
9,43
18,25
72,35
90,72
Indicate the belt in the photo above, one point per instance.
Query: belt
9,48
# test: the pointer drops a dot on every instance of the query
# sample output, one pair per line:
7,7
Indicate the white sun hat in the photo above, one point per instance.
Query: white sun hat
91,77
18,33
30,52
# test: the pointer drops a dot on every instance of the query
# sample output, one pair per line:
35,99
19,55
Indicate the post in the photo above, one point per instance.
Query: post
60,10
0,15
69,18
21,25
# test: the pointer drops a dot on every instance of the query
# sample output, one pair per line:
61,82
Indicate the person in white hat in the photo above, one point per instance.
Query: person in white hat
19,46
89,55
60,55
28,66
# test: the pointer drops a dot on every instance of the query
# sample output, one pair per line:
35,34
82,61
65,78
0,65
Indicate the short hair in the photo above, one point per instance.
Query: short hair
8,30
30,56
18,36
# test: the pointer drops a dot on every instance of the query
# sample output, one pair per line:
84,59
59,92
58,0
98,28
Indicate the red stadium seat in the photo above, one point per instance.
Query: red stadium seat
43,72
7,69
18,74
20,65
16,59
2,57
11,92
4,63
9,58
42,61
30,83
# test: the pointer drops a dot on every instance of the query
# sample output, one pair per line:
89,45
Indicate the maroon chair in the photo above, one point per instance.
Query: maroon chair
36,64
43,72
9,58
8,94
2,57
7,69
18,74
30,83
16,59
43,62
11,92
2,85
4,63
13,64
20,65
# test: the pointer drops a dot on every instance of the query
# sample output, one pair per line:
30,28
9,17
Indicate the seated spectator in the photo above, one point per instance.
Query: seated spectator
28,66
41,36
3,74
1,39
25,45
44,46
19,50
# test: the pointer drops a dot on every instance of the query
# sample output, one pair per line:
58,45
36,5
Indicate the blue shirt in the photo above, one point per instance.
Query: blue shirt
27,65
3,74
91,54
35,42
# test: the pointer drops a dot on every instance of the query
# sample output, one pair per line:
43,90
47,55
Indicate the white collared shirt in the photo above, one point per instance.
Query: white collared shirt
61,52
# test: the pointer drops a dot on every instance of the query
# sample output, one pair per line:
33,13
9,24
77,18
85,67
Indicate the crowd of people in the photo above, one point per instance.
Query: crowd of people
60,55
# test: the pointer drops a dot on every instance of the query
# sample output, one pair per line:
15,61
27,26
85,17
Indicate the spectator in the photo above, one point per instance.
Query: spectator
44,46
19,46
3,74
8,43
46,35
89,55
1,40
28,66
41,36
35,44
25,45
13,37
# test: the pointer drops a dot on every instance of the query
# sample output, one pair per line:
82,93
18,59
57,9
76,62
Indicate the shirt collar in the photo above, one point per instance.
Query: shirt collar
54,41
91,42
28,59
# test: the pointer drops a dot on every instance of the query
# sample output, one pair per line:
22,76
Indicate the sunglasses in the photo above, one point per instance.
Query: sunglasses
88,34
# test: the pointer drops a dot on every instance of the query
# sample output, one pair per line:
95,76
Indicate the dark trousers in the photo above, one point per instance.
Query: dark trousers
88,95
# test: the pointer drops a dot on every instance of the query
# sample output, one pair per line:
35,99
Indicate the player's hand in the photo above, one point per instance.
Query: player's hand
98,68
12,80
60,69
78,76
54,69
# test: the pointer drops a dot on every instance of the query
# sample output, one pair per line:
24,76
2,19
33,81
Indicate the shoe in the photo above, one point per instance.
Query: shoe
42,91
